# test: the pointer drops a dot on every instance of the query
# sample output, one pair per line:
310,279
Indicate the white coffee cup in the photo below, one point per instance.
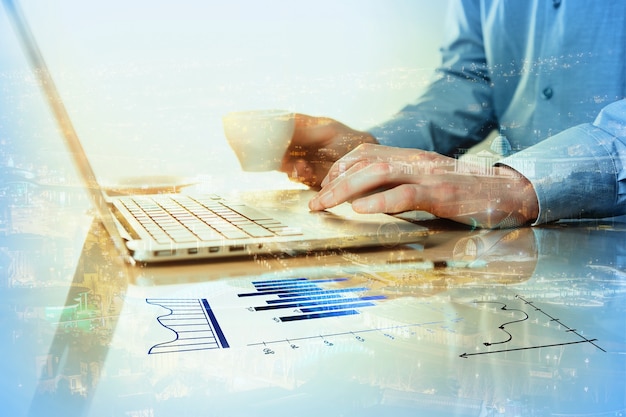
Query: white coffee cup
259,138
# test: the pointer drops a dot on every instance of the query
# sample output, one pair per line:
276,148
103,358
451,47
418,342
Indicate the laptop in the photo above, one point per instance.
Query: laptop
181,227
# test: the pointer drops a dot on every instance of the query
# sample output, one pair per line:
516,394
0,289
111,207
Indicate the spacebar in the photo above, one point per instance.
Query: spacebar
234,234
256,231
249,212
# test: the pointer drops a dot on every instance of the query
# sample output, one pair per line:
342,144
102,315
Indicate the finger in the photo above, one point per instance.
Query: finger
358,180
338,169
402,198
362,154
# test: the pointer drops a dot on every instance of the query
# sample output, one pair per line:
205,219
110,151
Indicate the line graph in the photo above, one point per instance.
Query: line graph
193,323
524,317
503,326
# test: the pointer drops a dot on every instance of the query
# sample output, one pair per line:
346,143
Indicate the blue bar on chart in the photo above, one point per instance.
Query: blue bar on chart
310,299
297,299
319,315
309,302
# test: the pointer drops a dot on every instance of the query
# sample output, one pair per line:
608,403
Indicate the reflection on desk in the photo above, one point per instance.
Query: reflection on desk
523,322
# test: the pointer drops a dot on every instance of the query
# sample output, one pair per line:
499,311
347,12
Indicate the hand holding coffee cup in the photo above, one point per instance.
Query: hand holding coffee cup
259,138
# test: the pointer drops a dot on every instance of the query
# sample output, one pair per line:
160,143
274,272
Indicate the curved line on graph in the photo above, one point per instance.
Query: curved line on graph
158,345
502,341
503,325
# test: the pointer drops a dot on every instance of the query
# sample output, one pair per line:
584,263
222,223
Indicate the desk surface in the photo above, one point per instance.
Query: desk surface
524,322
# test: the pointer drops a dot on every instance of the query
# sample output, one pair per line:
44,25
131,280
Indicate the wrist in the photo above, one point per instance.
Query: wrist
369,138
519,198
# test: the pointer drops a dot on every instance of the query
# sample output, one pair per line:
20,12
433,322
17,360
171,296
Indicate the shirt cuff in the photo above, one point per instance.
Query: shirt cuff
574,174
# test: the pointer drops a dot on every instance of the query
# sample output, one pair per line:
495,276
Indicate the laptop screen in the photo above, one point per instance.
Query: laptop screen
65,125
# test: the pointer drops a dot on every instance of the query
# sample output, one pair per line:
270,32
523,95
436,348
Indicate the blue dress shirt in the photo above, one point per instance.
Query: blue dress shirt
552,73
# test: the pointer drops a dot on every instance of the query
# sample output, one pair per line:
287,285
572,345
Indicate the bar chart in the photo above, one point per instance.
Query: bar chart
309,300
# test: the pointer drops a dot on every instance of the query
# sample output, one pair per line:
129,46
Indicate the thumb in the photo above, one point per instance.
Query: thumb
313,132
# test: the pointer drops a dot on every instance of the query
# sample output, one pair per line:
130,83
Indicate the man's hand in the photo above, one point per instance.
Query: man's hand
316,144
381,179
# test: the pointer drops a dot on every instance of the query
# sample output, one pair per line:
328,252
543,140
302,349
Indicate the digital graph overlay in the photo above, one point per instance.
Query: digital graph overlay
193,324
522,316
287,310
308,299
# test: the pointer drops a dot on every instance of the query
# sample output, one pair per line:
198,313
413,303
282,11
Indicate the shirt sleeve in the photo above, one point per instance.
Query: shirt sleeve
580,172
455,111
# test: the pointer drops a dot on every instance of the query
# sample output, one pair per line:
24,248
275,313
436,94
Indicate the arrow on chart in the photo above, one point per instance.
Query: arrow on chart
466,355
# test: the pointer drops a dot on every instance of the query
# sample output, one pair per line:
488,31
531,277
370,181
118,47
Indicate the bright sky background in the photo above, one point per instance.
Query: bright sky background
147,82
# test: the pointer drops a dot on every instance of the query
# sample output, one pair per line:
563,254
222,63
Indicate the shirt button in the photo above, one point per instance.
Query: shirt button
556,3
547,93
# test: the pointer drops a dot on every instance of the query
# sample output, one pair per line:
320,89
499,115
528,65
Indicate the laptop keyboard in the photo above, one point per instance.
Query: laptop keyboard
181,218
